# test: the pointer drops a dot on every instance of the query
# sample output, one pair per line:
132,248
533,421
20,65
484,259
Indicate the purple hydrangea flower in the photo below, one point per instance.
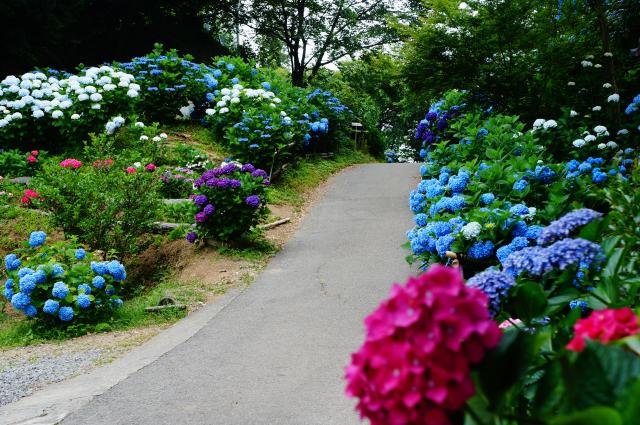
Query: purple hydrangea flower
253,201
191,237
532,260
201,200
208,209
248,168
259,173
566,225
495,285
234,183
201,217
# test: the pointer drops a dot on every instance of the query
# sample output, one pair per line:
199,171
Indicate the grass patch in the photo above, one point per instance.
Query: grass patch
309,173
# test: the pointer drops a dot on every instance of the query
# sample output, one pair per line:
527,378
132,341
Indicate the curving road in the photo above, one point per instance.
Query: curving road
275,354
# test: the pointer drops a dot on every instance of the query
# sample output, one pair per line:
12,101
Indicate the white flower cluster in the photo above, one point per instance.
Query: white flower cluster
39,95
114,124
601,131
546,124
235,94
471,230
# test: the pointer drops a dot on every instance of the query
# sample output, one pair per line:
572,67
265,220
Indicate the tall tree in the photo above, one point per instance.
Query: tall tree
316,33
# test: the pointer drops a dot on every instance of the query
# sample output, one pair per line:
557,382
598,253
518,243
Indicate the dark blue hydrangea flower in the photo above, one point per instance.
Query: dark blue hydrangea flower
37,239
481,250
568,224
253,201
532,260
519,229
495,285
30,311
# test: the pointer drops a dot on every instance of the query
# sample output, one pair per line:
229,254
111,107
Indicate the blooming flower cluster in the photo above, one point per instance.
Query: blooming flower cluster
420,346
567,225
71,163
604,326
54,286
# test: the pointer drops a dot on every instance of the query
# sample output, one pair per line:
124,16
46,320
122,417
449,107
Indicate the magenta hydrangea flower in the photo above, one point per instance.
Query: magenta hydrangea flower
201,217
414,366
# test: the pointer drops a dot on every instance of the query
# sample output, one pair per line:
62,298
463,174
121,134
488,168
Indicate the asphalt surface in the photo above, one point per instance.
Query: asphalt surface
275,355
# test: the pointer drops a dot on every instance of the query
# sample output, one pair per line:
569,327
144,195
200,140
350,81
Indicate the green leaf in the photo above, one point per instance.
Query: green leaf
506,364
593,416
529,301
601,374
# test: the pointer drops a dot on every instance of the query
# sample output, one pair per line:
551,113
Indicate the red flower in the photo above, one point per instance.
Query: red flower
35,153
131,170
414,366
32,159
604,326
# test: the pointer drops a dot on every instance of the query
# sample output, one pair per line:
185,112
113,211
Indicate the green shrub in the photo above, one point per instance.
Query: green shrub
103,206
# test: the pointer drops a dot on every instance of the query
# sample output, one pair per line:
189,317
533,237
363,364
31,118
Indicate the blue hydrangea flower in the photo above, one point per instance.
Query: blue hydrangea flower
117,302
8,293
116,270
8,283
30,311
417,201
27,284
421,219
519,229
566,225
457,184
20,301
572,165
80,254
37,239
110,291
65,314
60,290
503,252
495,285
481,250
439,228
98,282
532,260
520,185
87,288
99,267
51,306
519,209
57,270
12,262
24,272
584,167
569,252
40,276
443,244
533,232
487,198
83,301
598,177
582,305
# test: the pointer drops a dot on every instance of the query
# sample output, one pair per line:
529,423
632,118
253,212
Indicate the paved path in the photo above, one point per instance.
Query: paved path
275,355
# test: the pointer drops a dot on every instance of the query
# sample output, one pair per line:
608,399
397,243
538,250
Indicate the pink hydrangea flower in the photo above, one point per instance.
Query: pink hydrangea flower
131,170
150,167
604,326
414,366
71,163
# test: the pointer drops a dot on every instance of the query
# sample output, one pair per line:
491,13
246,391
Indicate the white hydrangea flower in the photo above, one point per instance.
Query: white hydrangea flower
110,127
144,138
532,213
57,114
596,108
38,113
225,92
589,138
538,123
590,57
599,129
602,146
578,143
623,132
224,110
597,65
471,230
571,83
586,64
615,98
137,164
75,117
96,106
157,139
612,145
163,135
235,100
549,124
573,114
118,121
221,104
607,85
608,54
132,93
210,111
90,89
139,124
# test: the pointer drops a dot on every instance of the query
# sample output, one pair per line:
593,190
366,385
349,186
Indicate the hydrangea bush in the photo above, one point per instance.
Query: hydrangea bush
230,201
60,284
